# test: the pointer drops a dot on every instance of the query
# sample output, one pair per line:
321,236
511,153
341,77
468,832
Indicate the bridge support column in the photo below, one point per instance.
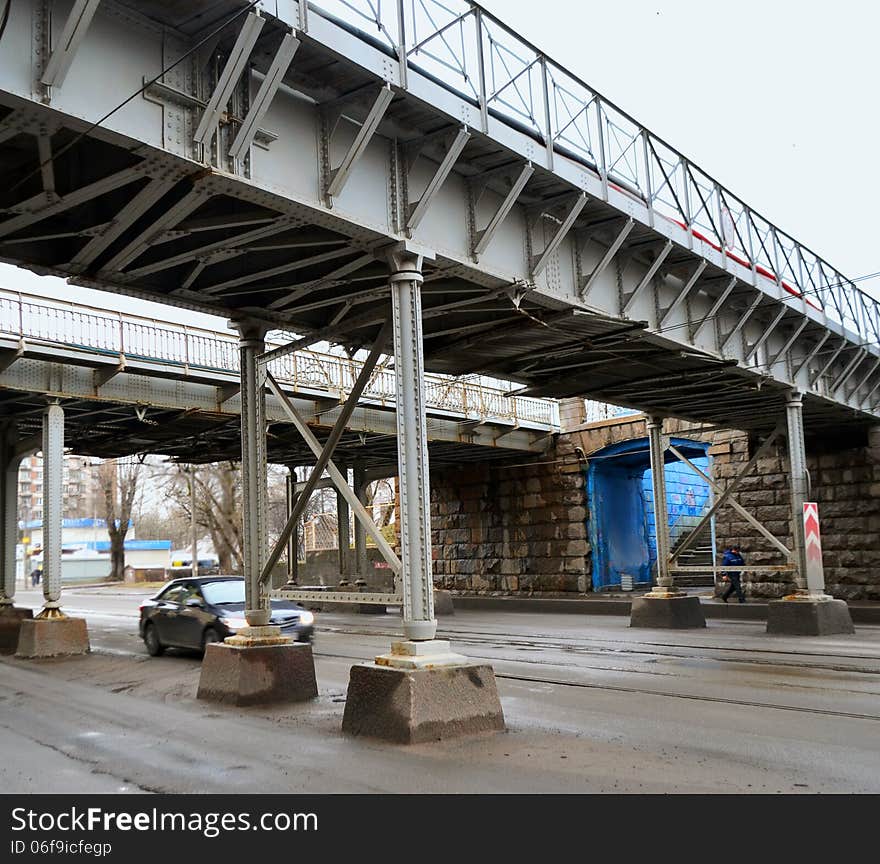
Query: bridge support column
293,542
10,615
52,633
421,690
361,562
343,532
664,606
258,665
809,611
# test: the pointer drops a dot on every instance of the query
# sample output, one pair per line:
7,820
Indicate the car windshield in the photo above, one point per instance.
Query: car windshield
227,591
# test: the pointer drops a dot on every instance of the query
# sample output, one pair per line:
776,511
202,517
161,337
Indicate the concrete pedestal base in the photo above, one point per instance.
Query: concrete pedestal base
809,617
671,613
411,706
257,674
52,637
10,626
443,603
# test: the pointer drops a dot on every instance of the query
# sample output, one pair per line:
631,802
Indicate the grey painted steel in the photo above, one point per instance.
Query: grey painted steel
69,41
657,447
263,100
443,62
361,561
253,471
326,452
53,503
9,464
293,542
412,449
799,490
343,516
372,598
731,487
235,65
758,526
338,480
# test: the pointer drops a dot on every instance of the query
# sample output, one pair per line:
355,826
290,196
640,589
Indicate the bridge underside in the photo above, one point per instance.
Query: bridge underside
108,429
191,237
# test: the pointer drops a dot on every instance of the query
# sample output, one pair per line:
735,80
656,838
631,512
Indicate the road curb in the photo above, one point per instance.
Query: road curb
749,611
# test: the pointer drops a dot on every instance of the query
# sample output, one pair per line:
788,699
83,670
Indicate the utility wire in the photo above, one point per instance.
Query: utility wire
5,19
137,92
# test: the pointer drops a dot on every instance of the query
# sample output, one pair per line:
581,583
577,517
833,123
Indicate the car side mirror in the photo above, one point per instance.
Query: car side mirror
193,601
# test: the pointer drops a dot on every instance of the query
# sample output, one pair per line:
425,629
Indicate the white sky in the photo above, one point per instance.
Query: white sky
775,99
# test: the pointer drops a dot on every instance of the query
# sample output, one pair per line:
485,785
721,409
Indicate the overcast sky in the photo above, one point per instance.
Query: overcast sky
775,99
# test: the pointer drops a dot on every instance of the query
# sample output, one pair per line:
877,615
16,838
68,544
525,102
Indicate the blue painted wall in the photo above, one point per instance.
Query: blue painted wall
621,506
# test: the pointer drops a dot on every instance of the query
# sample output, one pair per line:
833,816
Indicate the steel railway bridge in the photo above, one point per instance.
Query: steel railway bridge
413,179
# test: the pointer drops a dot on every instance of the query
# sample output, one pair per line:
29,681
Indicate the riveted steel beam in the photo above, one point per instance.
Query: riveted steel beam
232,71
686,289
418,209
484,238
266,93
656,264
539,262
72,35
588,281
339,175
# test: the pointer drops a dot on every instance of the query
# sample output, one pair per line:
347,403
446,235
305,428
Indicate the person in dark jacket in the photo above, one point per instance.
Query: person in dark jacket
731,559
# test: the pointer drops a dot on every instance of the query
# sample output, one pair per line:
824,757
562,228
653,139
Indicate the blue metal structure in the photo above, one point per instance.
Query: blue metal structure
621,521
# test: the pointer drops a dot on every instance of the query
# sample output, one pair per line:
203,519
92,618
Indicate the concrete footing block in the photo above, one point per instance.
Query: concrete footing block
10,626
412,706
809,618
52,637
671,613
257,674
443,603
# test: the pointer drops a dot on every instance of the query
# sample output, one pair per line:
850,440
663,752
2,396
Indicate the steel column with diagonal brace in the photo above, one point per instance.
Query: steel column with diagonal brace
336,476
327,452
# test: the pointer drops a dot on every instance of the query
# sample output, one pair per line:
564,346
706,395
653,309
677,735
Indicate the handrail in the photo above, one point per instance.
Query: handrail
465,48
86,328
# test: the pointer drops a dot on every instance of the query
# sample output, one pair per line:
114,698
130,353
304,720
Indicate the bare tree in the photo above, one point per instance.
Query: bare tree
118,482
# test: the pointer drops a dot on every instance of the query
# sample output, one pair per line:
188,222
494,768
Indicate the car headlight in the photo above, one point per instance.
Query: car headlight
234,623
306,618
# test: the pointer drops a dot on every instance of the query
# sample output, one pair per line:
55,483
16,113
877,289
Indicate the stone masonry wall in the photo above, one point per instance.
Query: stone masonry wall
522,527
846,486
512,528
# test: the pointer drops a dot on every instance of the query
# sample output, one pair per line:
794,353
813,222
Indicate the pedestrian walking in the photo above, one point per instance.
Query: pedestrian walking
731,559
36,575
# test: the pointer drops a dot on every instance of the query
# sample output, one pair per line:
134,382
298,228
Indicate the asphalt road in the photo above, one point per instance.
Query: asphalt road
591,706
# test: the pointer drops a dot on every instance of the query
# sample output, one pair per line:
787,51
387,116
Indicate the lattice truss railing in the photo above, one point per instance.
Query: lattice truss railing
473,53
35,319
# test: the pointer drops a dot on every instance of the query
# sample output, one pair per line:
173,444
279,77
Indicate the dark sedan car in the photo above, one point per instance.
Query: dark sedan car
191,613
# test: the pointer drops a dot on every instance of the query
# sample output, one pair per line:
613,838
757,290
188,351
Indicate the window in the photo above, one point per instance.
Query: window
174,594
224,591
191,592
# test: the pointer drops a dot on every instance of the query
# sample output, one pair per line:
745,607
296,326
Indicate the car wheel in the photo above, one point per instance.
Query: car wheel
151,640
210,636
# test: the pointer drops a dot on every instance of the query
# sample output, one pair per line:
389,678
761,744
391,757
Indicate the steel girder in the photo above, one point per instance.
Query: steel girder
630,200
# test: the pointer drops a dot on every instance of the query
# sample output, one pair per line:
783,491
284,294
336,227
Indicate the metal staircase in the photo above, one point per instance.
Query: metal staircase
702,554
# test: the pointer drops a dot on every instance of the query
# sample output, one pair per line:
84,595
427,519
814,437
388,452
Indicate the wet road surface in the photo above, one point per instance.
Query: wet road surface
591,706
